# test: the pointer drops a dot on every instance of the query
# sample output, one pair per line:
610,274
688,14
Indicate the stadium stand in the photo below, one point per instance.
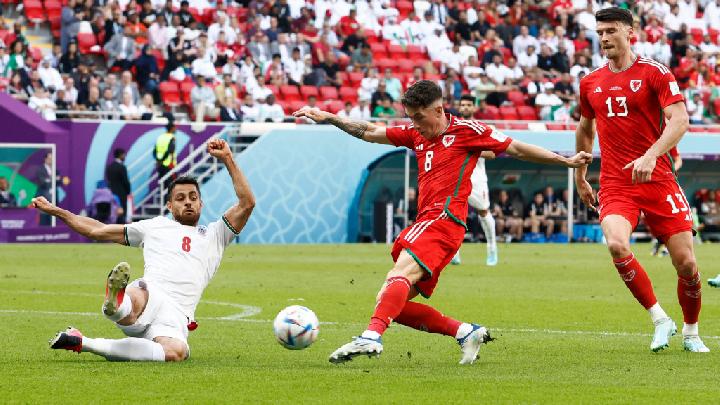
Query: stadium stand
539,43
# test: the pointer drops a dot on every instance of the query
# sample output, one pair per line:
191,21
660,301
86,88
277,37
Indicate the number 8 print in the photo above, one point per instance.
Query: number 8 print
428,160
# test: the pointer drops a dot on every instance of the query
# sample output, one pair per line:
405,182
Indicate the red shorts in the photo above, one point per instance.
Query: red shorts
432,242
667,211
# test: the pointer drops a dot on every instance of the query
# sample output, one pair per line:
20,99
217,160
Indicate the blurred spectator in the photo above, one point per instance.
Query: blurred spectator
361,111
71,93
16,61
93,101
483,87
203,65
275,72
696,109
61,103
203,100
4,59
249,110
7,199
104,206
229,112
362,58
539,215
507,217
345,112
84,78
369,84
643,47
452,86
379,94
562,113
260,91
528,60
295,68
127,108
270,111
348,24
564,88
147,109
225,90
662,51
384,109
69,21
41,103
49,76
118,181
392,85
147,73
43,180
158,33
186,17
126,85
329,69
107,103
148,16
546,101
121,49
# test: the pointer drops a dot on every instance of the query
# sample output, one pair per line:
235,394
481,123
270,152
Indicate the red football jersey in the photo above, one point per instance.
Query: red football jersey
628,110
446,162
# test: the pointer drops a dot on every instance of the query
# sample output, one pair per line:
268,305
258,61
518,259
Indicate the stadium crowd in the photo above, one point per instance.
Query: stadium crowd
259,60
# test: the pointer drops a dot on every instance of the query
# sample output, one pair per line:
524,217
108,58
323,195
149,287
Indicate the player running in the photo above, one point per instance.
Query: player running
181,258
640,115
447,150
479,196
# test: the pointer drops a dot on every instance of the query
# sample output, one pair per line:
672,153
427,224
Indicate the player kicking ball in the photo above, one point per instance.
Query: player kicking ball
640,115
480,195
447,150
181,257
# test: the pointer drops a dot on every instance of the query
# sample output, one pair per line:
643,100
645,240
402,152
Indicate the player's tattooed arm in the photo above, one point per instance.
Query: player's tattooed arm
364,130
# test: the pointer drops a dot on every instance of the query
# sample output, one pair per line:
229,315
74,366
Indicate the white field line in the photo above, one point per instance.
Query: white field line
249,310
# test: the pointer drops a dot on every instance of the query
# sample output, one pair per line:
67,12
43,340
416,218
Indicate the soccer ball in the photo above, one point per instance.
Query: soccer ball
296,327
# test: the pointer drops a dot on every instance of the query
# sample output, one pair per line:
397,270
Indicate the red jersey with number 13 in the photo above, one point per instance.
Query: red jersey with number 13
446,162
628,109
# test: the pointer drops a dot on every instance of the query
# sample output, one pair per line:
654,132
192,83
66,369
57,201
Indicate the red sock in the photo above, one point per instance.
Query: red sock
689,295
636,279
428,319
391,303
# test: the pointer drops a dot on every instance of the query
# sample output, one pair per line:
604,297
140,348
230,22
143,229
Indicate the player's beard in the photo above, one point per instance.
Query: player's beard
189,219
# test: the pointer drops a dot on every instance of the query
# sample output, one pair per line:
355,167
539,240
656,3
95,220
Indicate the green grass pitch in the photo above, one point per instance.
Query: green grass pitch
568,330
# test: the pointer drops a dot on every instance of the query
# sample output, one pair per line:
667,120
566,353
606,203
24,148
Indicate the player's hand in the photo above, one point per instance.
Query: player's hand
42,204
312,113
586,193
219,149
486,154
580,160
642,168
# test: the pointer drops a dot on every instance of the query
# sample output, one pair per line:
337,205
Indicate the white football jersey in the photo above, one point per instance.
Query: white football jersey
478,175
179,259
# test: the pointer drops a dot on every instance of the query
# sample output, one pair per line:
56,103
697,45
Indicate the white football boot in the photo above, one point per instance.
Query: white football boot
357,347
470,343
664,329
693,343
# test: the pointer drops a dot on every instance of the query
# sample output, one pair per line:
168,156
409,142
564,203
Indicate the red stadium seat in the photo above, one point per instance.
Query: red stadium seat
553,126
697,35
86,40
404,7
378,50
516,97
355,78
307,91
372,37
334,106
342,77
417,53
170,93
433,76
385,63
396,51
36,53
518,126
185,89
527,113
509,113
290,93
405,65
491,113
713,35
349,94
296,105
328,93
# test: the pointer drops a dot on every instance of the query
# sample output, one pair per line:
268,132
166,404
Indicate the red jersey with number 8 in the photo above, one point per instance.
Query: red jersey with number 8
628,109
446,162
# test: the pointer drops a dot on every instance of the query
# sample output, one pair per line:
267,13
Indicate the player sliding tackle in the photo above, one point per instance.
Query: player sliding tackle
630,99
157,311
447,150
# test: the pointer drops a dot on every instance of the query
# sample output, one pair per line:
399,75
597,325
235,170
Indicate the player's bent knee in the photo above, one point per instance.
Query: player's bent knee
686,265
618,248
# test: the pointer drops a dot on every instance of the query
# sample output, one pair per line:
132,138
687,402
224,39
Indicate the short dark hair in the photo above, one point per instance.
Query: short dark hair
468,97
421,94
613,14
118,152
182,180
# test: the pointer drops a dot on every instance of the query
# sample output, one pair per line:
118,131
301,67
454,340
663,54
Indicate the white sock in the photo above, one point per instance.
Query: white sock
370,334
463,330
690,329
124,310
488,225
128,349
657,313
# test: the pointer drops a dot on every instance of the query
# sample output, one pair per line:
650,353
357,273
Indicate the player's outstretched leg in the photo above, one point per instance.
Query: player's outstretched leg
426,318
488,225
390,303
128,349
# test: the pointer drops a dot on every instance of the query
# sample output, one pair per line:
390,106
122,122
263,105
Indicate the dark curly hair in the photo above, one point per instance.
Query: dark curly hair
421,94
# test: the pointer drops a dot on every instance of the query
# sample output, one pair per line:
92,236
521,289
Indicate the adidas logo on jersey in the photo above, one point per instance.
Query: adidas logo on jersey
598,89
420,147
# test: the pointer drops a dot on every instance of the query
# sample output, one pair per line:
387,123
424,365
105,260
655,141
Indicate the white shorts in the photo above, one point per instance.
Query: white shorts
161,316
479,196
